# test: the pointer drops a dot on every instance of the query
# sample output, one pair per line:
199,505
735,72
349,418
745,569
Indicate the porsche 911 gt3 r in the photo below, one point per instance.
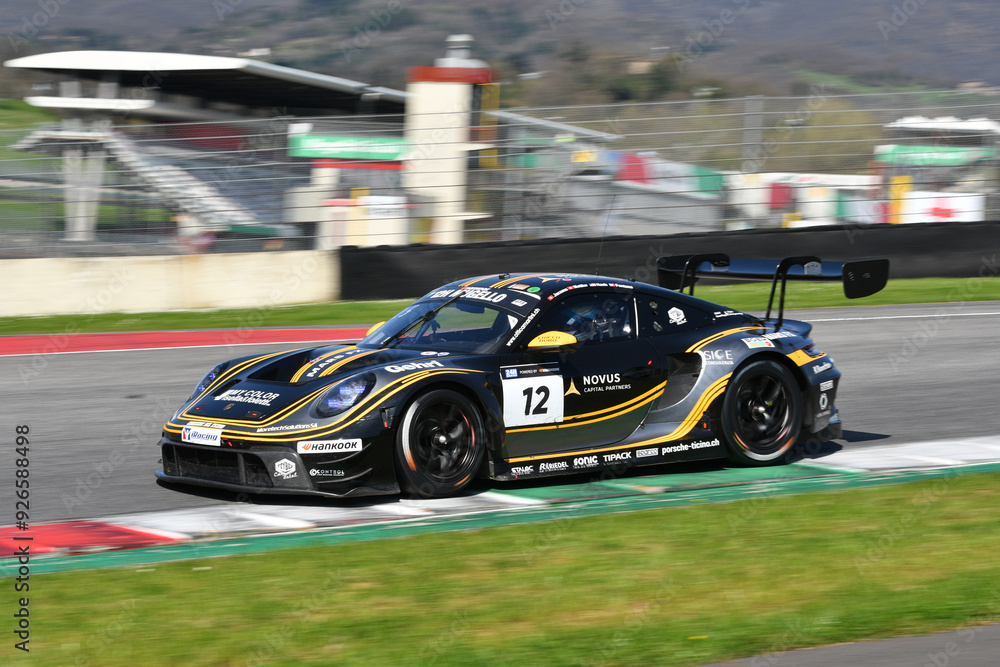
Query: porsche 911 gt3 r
519,376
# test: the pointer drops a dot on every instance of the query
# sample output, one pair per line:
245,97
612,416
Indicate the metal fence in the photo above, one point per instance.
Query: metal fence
80,188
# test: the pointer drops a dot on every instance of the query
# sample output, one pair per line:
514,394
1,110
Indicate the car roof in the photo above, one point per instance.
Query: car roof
546,285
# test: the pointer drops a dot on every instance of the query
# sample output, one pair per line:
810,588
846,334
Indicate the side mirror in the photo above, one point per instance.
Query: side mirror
552,340
374,327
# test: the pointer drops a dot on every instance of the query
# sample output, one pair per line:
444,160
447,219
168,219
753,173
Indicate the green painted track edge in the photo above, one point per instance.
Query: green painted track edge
132,558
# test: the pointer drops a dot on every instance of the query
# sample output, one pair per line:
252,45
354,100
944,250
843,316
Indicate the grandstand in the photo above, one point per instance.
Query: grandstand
208,139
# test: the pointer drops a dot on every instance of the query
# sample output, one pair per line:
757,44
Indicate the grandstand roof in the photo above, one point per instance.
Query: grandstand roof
231,81
178,86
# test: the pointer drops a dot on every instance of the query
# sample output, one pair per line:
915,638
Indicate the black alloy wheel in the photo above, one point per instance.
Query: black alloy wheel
761,413
439,445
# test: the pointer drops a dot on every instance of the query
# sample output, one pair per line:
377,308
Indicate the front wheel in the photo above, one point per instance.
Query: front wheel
761,413
439,445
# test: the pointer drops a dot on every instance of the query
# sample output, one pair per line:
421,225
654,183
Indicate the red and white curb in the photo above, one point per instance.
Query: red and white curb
246,520
148,529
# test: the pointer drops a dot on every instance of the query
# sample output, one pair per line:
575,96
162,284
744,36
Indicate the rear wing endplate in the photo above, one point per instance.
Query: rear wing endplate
860,278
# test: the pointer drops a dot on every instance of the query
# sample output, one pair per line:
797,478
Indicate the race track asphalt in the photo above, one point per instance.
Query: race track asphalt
911,373
977,646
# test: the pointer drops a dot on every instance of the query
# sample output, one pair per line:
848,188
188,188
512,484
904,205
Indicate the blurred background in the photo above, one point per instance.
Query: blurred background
138,128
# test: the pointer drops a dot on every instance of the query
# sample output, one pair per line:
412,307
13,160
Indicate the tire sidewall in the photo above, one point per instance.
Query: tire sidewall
417,482
728,416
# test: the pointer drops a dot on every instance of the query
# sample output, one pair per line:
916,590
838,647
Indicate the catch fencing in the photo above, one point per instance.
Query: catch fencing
690,166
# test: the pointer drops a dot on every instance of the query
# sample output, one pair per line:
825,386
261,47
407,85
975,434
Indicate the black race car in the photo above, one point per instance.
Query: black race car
519,376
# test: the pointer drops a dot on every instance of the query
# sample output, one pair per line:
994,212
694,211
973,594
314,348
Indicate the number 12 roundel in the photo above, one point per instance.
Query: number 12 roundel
532,398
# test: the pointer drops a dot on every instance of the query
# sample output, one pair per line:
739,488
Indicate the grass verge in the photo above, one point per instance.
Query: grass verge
680,586
750,296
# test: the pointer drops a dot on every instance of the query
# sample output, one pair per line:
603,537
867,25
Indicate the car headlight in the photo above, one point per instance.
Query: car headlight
343,395
209,378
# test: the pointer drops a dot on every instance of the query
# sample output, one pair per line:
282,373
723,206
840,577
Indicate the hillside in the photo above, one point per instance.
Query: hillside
770,46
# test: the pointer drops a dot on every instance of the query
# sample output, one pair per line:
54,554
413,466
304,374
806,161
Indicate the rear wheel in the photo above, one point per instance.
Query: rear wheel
440,444
761,413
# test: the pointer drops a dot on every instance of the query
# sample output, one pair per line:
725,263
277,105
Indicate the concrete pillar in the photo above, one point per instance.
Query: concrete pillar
438,114
83,170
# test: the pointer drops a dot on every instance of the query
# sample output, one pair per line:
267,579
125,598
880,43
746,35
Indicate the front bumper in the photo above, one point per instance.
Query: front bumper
273,470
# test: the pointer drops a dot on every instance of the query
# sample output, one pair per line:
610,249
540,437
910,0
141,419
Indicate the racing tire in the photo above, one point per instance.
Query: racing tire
761,414
440,444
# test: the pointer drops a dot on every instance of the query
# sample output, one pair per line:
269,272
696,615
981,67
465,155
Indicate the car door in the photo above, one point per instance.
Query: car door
593,394
672,326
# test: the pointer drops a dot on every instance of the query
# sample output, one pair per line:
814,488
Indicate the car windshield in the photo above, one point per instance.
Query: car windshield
460,326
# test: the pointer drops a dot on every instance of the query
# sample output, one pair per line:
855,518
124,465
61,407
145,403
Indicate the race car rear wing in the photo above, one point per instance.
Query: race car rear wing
860,278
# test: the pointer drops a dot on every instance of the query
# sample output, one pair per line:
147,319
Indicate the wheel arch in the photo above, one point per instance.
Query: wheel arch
484,401
796,371
801,384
